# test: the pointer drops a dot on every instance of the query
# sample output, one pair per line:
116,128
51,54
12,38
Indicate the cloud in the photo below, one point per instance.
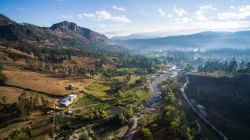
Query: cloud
206,18
180,12
239,13
184,20
163,13
104,15
118,8
67,17
87,15
202,11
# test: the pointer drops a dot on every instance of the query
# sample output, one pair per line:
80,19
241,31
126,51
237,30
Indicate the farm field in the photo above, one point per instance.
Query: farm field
101,88
44,83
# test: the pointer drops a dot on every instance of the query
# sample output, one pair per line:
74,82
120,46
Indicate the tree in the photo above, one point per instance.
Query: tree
91,114
92,72
146,133
130,111
122,117
24,106
143,121
85,134
44,101
2,76
232,66
4,99
103,114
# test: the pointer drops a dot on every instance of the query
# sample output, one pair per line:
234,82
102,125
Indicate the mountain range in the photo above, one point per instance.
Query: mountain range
68,34
203,40
63,34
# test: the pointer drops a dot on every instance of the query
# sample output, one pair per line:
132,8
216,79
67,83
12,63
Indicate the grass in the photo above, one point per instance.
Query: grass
12,95
134,94
131,81
98,86
43,82
42,131
100,89
91,100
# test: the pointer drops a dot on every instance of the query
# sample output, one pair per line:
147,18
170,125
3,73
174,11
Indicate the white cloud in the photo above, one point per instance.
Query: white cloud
202,11
180,12
162,13
67,17
118,8
239,13
86,15
186,20
104,15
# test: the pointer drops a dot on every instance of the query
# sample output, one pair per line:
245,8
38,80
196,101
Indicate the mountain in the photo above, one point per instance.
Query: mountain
204,40
63,34
135,36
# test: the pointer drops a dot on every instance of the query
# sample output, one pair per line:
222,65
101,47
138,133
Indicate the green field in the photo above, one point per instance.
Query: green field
91,100
101,88
131,81
133,95
98,86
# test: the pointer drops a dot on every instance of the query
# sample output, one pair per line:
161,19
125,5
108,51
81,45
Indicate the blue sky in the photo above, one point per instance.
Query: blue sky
123,17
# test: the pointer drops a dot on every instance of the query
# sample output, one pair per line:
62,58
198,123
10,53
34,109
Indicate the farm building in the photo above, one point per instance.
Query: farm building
67,100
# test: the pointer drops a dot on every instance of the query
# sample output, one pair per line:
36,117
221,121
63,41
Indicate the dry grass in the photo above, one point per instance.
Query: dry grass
82,61
4,132
11,94
42,82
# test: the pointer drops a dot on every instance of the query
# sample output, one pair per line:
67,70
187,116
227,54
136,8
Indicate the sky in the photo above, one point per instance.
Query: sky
124,17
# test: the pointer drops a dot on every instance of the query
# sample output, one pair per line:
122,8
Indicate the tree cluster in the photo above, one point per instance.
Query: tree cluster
97,114
59,69
2,76
174,120
213,66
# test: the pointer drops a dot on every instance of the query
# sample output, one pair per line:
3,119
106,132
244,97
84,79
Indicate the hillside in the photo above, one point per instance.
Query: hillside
226,99
63,34
200,40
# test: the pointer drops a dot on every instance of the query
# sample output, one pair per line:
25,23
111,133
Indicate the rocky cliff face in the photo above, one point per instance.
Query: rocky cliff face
63,34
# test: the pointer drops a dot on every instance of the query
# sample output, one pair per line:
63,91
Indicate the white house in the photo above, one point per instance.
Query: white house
67,100
200,107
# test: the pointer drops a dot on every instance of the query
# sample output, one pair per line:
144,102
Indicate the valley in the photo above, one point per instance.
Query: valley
66,75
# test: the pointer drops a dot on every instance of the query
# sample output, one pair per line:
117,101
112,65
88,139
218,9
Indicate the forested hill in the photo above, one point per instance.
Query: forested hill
63,34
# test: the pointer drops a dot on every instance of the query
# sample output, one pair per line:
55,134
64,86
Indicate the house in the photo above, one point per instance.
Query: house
200,107
204,113
193,101
67,100
202,110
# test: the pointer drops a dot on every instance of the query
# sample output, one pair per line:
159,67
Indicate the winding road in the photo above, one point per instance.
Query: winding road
198,113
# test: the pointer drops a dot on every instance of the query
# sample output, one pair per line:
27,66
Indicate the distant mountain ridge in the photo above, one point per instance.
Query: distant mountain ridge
63,34
204,40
